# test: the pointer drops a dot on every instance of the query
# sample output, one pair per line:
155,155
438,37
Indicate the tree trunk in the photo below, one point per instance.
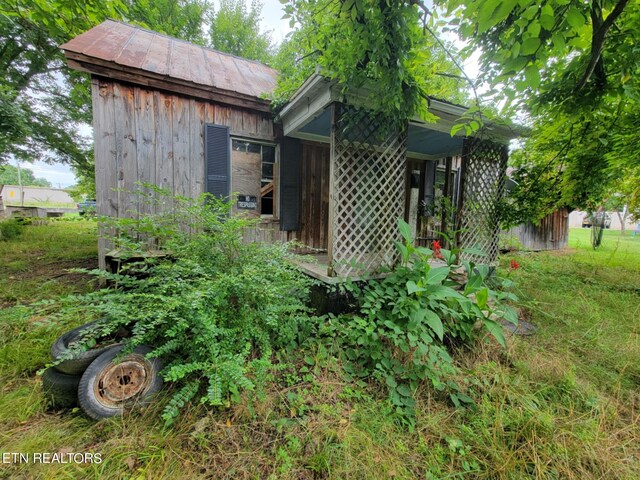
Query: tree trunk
622,216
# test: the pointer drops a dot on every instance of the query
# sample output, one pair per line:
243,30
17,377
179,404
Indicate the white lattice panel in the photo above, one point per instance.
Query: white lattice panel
484,164
369,191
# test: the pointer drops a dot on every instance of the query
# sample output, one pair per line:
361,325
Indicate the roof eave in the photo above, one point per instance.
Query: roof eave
447,113
79,61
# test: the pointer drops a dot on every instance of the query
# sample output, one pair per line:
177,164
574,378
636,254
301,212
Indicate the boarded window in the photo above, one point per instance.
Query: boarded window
265,163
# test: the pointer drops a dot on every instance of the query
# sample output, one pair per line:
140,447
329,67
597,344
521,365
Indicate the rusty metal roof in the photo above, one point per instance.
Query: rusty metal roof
126,47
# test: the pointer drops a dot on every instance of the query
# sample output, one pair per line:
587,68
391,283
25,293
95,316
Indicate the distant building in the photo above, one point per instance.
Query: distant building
14,195
576,220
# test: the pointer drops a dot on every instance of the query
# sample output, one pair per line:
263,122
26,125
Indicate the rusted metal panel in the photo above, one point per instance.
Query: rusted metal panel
157,58
135,51
218,74
197,63
109,44
179,65
130,47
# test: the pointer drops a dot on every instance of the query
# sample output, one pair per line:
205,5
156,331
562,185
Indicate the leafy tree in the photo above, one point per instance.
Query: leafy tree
574,161
570,67
36,87
183,19
9,176
235,29
13,120
554,52
618,203
390,47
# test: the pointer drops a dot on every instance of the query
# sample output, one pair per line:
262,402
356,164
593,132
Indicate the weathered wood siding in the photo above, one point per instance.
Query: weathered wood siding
144,135
314,209
314,219
268,231
551,234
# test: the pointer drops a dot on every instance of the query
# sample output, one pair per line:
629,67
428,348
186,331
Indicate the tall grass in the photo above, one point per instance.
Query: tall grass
562,404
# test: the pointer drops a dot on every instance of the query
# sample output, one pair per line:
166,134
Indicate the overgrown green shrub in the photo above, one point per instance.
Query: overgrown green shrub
10,229
409,320
215,311
509,242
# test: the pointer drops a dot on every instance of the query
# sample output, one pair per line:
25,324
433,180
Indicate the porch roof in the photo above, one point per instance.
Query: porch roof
308,116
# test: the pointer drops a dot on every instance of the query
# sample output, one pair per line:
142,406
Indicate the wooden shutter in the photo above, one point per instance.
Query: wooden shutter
217,159
290,168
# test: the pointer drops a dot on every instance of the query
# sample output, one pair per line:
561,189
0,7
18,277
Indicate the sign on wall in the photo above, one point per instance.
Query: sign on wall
247,202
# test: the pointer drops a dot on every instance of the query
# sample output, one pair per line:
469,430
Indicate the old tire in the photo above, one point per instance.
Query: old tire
108,387
80,361
60,389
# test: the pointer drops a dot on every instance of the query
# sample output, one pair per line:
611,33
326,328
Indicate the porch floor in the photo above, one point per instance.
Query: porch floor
317,266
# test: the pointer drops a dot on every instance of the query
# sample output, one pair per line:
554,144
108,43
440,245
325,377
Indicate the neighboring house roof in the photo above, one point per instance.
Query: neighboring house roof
122,51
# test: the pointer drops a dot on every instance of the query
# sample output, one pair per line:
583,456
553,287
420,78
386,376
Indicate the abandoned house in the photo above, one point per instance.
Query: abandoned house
193,120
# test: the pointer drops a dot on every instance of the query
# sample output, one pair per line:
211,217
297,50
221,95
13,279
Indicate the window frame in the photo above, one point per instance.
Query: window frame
276,170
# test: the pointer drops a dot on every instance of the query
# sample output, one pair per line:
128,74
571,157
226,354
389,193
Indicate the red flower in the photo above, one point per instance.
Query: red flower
436,249
514,265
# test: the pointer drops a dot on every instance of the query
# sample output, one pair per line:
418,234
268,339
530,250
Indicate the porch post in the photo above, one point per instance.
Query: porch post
332,193
448,193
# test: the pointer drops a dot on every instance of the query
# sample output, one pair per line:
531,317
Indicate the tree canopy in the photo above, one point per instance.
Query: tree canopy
9,176
571,69
555,53
39,102
235,28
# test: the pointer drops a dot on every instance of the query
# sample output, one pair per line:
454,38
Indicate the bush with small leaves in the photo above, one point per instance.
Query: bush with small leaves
215,309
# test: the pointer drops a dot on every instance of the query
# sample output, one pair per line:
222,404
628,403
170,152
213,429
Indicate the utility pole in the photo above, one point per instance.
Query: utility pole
20,183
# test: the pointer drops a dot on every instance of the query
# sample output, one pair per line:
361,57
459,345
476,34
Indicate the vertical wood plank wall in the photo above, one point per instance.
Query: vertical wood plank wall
144,135
314,221
551,234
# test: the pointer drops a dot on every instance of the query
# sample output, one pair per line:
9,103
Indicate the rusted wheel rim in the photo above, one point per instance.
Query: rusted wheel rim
120,382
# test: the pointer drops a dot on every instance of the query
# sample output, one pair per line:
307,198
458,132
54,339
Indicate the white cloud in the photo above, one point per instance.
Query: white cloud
60,175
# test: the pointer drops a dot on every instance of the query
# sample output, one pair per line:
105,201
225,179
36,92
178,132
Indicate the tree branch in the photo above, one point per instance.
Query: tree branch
420,4
598,38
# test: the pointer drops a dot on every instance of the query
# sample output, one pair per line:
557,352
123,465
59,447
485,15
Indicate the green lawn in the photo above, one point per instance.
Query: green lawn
563,403
33,266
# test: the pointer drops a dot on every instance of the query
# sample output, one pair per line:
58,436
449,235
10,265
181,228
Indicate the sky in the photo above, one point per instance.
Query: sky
272,20
61,175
